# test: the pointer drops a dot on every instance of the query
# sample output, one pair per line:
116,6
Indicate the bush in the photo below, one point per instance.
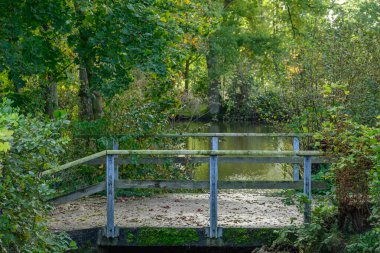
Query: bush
348,221
266,107
31,145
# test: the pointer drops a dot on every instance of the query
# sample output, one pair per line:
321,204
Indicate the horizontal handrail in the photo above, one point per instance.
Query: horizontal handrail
74,163
215,152
182,152
176,135
197,185
235,135
181,184
205,159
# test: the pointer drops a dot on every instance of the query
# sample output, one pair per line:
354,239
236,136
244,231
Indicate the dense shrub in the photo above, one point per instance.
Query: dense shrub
131,118
347,219
267,107
28,146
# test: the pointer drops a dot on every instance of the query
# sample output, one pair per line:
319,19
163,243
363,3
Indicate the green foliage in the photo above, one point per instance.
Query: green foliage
243,236
351,145
322,235
34,147
132,118
115,39
266,106
347,220
28,38
367,242
374,185
166,236
337,49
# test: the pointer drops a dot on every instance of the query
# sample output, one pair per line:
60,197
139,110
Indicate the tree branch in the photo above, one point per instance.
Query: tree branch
294,29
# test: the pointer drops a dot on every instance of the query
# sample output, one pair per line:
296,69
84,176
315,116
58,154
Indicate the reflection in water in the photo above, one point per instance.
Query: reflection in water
240,171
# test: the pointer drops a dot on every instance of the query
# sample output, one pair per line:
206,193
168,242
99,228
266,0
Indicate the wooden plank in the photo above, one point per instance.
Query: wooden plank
215,152
191,160
179,184
74,163
87,191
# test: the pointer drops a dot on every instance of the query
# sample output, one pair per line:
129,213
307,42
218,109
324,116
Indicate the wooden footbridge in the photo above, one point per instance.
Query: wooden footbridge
113,158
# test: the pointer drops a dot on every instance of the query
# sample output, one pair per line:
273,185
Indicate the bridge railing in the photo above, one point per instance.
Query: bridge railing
112,158
296,140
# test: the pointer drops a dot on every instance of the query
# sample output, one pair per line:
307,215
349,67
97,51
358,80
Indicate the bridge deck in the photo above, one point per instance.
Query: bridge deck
237,208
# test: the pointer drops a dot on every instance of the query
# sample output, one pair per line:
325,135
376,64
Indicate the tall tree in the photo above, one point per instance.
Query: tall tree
112,38
30,44
235,34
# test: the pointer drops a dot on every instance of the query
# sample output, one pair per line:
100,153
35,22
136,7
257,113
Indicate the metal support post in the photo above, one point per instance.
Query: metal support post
213,230
110,231
296,166
307,188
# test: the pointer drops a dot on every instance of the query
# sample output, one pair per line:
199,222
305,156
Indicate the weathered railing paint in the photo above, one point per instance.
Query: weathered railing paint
213,229
203,135
115,146
184,184
86,159
296,166
221,160
110,229
77,194
214,232
208,135
74,163
215,152
307,188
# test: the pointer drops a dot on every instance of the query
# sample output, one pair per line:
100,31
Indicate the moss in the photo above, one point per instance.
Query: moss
130,237
244,236
166,236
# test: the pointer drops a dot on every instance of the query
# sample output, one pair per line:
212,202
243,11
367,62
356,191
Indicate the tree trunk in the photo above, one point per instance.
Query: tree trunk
51,98
97,104
187,77
214,84
85,105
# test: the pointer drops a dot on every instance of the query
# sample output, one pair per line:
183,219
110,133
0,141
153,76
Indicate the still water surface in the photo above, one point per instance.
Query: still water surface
239,171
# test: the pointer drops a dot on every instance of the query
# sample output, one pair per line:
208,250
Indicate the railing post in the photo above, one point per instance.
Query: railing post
213,230
116,147
110,231
296,166
307,188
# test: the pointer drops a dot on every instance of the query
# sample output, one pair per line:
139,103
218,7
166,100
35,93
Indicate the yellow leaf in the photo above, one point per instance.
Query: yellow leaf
5,134
4,146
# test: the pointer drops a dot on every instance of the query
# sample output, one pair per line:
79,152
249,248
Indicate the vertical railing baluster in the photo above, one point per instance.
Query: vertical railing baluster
214,190
110,180
296,166
307,188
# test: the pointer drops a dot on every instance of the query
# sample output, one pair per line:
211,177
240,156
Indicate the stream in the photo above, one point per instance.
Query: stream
239,171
